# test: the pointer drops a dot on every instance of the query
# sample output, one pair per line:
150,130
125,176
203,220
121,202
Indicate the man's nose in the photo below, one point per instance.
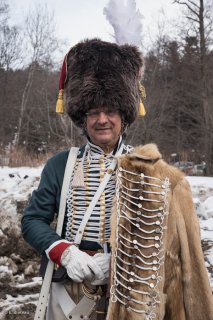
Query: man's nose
102,118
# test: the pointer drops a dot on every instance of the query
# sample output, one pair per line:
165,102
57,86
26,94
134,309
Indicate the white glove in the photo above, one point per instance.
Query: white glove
103,261
80,266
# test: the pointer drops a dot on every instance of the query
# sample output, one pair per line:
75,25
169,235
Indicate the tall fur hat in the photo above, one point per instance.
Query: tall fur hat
102,74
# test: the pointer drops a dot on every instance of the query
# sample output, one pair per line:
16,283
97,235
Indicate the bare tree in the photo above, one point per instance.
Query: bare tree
10,47
41,41
41,44
10,40
199,13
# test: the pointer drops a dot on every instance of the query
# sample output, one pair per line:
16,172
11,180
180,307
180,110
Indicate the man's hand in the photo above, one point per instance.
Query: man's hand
103,261
80,266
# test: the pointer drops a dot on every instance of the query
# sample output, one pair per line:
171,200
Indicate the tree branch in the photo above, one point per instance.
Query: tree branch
193,19
188,6
194,4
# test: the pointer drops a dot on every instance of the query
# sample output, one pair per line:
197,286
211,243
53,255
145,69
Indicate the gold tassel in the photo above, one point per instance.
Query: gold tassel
60,102
78,179
142,110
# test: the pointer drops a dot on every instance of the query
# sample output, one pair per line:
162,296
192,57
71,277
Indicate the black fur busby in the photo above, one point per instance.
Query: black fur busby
103,74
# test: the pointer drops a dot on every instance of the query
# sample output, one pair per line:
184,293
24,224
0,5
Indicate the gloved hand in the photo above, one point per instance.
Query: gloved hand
80,266
103,261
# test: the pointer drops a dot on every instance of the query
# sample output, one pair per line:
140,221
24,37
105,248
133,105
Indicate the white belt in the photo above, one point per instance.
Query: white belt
71,310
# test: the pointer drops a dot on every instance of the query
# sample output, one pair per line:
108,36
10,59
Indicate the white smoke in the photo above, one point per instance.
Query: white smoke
125,20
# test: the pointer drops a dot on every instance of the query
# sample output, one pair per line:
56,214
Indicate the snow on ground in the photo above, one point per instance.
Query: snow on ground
202,190
19,289
17,184
17,266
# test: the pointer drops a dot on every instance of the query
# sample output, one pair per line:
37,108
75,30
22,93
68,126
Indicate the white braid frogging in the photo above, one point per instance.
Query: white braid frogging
94,166
139,249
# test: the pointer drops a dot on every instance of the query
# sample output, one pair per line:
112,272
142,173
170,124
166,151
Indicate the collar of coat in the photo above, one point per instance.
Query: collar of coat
148,153
148,159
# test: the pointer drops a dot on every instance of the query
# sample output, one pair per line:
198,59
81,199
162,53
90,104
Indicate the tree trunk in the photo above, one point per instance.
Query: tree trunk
24,100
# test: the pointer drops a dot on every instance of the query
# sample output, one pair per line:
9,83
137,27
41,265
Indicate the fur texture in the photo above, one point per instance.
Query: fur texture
185,293
103,74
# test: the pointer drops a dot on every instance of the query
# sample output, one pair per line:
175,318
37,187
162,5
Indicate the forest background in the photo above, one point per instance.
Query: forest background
178,80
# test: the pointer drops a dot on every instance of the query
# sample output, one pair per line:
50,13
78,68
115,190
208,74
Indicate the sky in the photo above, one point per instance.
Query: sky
79,19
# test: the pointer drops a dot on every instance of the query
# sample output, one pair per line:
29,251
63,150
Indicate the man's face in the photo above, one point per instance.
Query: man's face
104,128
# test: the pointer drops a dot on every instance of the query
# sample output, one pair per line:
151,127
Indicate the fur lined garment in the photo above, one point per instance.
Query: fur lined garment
177,287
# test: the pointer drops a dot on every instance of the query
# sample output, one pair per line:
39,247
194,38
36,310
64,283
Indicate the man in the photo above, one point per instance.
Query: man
101,82
154,272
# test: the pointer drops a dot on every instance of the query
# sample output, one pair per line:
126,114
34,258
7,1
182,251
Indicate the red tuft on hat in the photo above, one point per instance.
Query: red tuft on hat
62,79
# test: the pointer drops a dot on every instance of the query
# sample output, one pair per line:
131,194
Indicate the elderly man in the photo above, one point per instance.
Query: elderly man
101,82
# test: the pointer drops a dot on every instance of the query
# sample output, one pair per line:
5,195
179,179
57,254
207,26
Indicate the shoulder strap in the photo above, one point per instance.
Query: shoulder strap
67,175
44,293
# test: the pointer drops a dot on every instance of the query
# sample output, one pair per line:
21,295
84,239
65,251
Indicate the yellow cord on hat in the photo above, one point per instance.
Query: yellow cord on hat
142,110
60,103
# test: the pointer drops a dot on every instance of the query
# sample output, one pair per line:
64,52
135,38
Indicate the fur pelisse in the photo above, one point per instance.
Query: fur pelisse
184,292
102,74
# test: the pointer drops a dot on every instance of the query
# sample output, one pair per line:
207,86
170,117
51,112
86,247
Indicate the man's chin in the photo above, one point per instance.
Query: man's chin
104,135
105,141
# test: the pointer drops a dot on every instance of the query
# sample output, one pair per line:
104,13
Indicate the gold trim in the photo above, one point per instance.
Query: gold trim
92,293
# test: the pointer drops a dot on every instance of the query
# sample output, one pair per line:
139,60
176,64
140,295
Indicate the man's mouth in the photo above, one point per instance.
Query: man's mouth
102,129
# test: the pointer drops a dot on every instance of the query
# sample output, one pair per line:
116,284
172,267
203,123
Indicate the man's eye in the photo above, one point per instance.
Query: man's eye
93,113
